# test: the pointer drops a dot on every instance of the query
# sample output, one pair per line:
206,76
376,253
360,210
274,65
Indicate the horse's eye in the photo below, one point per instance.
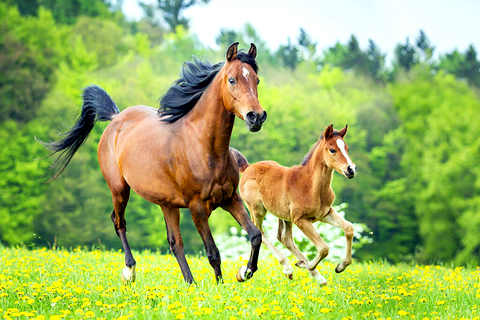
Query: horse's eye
258,81
232,81
332,150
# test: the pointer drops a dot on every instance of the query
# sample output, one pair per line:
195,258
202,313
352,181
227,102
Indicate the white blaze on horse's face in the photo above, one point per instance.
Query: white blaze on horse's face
245,73
351,168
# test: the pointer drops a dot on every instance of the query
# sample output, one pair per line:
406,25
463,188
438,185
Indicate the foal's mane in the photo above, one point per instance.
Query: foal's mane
194,79
314,147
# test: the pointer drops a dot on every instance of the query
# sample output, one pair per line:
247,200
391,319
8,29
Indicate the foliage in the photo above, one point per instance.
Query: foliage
82,283
171,11
412,129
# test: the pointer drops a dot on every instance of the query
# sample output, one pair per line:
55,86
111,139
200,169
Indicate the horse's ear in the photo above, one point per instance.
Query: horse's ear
253,51
343,132
232,51
328,132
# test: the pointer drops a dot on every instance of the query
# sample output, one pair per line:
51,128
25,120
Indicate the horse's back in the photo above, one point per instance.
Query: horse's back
126,151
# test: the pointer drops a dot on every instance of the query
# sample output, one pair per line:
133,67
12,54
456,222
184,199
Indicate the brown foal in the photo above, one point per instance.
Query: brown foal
177,156
302,195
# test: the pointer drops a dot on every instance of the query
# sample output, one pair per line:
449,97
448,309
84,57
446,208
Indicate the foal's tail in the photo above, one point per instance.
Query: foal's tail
240,159
97,106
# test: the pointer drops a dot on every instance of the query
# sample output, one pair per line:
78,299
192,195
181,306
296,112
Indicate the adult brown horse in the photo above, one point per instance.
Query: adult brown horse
302,195
178,156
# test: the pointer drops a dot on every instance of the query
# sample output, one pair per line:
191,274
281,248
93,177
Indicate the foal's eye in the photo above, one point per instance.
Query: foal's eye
258,81
232,81
332,150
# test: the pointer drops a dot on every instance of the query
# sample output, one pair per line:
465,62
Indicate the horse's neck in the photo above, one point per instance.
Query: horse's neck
213,123
321,175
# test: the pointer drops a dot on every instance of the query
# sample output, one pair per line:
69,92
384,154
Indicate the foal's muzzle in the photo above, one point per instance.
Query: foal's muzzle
254,120
351,172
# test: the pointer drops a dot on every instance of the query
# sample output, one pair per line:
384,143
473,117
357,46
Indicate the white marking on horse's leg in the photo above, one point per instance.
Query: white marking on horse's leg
128,274
318,277
341,145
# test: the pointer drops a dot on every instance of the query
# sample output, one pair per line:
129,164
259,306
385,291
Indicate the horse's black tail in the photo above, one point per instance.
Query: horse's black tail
240,159
97,106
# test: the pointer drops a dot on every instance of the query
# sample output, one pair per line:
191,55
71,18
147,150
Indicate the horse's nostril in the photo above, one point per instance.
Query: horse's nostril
263,117
252,116
350,170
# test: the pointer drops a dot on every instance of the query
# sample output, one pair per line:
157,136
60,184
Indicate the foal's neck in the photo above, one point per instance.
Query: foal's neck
213,123
320,173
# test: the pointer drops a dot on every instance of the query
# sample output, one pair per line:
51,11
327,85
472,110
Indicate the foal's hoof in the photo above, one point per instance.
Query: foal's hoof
289,276
340,268
243,274
128,274
302,264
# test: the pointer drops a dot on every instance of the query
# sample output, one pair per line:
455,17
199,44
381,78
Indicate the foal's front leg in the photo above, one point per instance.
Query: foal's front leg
235,206
334,219
307,228
285,236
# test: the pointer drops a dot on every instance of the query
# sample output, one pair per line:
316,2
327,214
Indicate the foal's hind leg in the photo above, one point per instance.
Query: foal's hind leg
120,198
285,236
258,212
172,222
334,219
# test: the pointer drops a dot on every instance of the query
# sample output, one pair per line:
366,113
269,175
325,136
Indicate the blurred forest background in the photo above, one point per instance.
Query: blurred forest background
414,129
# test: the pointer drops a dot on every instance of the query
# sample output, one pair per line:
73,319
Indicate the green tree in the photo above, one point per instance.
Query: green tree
405,55
426,49
172,11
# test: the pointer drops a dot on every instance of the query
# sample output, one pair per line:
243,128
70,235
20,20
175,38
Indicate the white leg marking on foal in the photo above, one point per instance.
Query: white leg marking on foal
341,145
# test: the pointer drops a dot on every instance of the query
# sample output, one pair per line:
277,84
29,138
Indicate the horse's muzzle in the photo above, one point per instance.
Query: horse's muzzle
254,120
351,172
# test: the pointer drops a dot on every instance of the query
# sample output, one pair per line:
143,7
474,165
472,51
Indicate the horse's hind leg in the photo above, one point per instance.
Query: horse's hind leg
172,222
334,219
120,196
285,236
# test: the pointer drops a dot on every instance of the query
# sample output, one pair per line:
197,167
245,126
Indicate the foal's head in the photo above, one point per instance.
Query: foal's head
240,80
336,152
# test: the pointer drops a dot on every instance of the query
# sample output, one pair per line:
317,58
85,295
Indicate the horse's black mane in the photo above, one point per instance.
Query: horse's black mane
194,80
314,147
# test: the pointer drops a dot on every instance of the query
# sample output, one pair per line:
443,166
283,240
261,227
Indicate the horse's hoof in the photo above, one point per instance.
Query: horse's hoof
243,274
289,276
301,264
128,274
320,279
338,270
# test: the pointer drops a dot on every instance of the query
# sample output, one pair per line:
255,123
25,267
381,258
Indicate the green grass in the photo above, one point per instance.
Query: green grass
86,284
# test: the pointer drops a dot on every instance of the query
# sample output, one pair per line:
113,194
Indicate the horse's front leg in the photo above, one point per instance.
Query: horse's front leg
235,206
172,222
307,228
334,219
200,214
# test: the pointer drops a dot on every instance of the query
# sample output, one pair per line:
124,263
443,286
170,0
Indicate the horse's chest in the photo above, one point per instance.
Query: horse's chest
219,192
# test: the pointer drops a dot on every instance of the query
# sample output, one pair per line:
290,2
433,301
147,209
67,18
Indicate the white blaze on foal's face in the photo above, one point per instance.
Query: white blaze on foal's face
341,146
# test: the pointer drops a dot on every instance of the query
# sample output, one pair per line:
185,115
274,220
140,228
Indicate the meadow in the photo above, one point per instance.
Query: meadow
82,283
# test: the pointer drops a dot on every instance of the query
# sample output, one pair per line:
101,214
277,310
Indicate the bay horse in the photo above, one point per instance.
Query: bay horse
177,156
302,195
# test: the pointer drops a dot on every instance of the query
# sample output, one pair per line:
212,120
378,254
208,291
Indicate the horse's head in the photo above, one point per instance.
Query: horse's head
240,82
336,152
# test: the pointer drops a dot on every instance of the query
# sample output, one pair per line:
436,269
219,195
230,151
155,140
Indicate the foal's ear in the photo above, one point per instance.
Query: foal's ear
253,51
343,132
232,51
328,132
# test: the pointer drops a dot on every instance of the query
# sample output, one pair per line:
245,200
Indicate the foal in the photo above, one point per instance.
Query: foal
302,195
